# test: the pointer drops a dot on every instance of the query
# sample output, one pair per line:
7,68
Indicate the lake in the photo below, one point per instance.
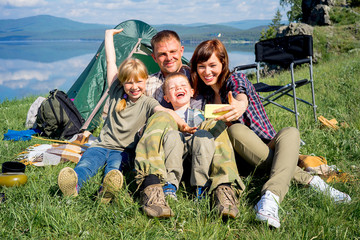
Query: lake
35,68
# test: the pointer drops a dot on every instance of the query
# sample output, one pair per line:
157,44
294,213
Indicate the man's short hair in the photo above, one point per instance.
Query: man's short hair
164,35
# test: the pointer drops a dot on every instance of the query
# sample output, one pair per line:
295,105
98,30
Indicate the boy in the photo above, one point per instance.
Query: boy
200,146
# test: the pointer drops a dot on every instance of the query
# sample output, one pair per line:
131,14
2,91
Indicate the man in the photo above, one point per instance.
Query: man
153,148
167,53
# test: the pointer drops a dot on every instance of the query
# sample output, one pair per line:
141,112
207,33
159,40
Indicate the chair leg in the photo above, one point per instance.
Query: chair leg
294,94
312,88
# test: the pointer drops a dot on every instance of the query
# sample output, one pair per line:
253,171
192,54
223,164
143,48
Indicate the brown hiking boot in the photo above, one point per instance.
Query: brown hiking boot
226,202
67,181
112,183
153,202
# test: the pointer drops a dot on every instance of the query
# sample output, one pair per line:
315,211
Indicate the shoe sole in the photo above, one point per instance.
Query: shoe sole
270,220
227,213
67,181
113,182
153,214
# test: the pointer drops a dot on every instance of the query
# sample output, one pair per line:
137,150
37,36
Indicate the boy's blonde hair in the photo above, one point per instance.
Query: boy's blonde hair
171,76
130,69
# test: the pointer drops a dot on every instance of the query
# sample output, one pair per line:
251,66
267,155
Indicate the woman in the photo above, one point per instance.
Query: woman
253,137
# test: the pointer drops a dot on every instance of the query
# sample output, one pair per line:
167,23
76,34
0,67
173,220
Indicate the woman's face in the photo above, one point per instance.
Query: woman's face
210,70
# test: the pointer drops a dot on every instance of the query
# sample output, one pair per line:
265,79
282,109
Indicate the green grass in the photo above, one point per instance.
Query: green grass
38,211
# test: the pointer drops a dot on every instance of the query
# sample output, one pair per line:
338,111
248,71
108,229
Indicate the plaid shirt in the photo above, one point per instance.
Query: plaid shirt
193,117
154,88
255,116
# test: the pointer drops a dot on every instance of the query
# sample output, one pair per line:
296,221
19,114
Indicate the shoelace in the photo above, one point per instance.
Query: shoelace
269,205
156,196
229,196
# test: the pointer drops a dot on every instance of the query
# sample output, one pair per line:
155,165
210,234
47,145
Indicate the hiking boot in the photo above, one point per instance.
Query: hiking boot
201,192
226,202
153,202
320,185
170,190
112,183
267,209
67,181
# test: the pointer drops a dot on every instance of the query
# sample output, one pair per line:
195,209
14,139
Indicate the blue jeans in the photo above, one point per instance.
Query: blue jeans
95,158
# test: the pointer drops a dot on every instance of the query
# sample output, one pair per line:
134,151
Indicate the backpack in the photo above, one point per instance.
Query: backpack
31,115
58,117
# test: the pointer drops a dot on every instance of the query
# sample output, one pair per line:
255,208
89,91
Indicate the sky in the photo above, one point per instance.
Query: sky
150,11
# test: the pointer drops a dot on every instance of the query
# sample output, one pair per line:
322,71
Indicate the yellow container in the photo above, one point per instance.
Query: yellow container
209,108
11,179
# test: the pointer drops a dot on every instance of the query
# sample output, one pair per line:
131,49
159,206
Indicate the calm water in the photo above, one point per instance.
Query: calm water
34,68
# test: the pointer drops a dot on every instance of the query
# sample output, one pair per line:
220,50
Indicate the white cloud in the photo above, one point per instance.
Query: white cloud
53,84
151,11
23,3
74,13
24,75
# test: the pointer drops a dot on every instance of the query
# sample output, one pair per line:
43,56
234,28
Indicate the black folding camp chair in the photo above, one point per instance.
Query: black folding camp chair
285,52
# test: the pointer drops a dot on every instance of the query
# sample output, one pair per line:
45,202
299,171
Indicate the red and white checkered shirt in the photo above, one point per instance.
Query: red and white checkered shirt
255,116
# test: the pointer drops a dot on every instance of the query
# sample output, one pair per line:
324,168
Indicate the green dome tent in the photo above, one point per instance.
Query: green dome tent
90,90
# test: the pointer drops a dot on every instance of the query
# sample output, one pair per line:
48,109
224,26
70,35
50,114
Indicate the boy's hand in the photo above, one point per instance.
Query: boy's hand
186,129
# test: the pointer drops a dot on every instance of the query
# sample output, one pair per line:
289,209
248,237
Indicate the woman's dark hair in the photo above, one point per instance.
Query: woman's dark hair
201,54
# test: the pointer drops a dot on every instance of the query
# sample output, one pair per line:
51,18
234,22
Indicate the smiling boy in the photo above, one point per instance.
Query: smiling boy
199,148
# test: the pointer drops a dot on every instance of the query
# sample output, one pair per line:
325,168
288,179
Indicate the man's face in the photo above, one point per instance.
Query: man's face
167,54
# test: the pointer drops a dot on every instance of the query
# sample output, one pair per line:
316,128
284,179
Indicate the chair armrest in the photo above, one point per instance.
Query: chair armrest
244,67
301,61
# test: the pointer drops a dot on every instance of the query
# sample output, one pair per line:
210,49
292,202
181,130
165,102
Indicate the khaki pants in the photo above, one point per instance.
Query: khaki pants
198,148
150,154
279,157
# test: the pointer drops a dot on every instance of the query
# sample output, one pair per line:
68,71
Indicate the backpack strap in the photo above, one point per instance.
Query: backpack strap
53,109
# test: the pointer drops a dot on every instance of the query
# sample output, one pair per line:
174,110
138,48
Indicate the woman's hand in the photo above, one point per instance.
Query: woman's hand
187,129
236,108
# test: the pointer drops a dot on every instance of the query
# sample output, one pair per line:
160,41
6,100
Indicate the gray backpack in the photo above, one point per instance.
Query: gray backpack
58,117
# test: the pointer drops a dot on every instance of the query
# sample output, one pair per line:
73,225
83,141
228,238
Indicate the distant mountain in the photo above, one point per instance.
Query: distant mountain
248,24
46,27
193,34
44,23
243,25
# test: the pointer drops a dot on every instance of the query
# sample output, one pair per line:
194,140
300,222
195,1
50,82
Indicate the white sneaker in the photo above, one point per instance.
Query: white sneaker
320,185
267,209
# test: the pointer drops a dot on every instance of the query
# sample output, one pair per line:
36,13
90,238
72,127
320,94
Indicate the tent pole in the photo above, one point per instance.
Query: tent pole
104,96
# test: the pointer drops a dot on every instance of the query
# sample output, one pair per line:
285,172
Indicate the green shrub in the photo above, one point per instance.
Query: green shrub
344,16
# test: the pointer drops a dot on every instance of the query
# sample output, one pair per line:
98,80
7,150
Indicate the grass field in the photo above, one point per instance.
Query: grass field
38,211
